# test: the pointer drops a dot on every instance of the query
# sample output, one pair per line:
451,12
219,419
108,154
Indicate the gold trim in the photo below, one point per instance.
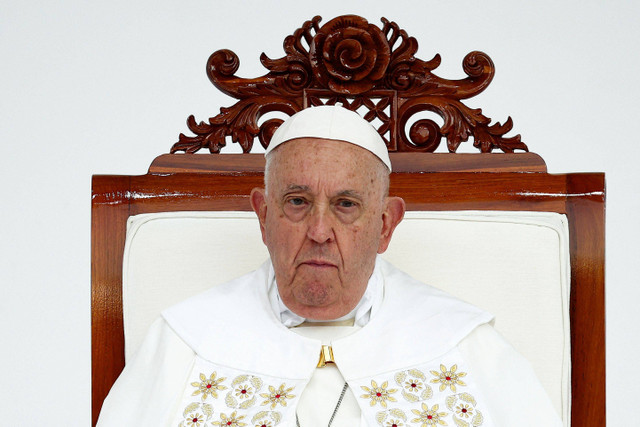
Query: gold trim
326,356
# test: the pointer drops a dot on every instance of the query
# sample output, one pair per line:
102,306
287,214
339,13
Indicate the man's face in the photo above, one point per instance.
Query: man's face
324,218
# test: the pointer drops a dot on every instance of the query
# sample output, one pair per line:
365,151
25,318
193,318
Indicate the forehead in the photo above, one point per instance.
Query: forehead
323,148
323,160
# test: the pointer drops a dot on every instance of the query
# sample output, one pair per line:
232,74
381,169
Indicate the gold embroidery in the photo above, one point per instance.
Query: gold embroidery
379,394
240,396
242,393
194,420
233,420
464,410
396,416
429,416
464,406
277,396
208,386
448,377
195,414
261,419
413,385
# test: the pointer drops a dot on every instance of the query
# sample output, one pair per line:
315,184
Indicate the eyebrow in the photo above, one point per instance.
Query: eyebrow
294,187
305,188
350,193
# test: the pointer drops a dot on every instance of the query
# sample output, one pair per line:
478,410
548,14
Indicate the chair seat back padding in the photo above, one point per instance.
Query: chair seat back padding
512,264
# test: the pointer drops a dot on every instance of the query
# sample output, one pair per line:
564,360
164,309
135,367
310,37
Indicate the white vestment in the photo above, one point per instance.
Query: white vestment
424,358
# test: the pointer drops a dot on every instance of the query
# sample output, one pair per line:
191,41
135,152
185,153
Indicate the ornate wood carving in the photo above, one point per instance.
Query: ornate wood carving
366,68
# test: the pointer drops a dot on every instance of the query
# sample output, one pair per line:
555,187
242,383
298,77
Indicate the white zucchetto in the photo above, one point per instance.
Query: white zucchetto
331,122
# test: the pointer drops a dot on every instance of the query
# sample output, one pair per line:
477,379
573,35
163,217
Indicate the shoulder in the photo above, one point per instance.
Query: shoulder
163,360
429,302
196,317
507,381
415,323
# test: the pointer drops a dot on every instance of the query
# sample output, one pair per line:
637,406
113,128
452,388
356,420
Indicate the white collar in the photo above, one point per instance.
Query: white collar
361,314
434,321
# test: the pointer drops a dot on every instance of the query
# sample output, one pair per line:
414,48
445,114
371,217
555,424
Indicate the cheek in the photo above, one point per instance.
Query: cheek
363,244
281,237
272,235
367,237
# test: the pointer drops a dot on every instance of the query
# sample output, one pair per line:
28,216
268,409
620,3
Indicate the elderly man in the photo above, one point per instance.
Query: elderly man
393,351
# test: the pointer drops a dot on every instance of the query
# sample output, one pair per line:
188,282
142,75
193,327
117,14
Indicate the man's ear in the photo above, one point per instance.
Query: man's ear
391,217
259,205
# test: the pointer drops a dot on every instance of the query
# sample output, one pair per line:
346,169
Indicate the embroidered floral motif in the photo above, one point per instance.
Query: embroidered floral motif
448,378
243,391
266,419
466,413
391,418
429,417
277,396
194,420
421,405
379,394
195,414
208,387
464,410
241,397
233,420
413,385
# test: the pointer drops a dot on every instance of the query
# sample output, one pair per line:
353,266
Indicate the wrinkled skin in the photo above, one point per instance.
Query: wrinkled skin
324,216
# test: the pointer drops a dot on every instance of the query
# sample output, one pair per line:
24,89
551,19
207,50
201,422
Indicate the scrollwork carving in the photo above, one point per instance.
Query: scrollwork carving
349,55
364,67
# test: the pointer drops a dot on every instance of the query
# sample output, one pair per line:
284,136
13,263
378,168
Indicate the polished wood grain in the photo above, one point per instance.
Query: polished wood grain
579,196
586,212
401,162
109,213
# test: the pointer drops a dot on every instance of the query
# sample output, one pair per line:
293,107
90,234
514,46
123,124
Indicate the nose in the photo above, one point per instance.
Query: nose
320,226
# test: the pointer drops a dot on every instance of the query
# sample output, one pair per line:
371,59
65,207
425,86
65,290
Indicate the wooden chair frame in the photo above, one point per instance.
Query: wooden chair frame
511,182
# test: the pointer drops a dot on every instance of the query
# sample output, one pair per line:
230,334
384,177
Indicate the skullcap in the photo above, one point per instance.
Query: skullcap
331,122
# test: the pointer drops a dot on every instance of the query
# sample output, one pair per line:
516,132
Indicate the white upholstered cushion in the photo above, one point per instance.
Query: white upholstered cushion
512,264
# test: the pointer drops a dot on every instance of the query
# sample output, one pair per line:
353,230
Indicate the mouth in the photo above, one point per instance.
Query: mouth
317,263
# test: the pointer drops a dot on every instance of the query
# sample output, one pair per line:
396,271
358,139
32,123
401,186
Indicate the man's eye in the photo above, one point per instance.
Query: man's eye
296,201
346,204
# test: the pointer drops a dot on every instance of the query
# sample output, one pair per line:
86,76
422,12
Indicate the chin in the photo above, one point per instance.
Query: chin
317,295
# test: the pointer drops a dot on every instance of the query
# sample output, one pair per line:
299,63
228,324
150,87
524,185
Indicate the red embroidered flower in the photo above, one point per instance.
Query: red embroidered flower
208,386
277,396
429,416
464,410
379,394
448,377
244,391
233,420
413,385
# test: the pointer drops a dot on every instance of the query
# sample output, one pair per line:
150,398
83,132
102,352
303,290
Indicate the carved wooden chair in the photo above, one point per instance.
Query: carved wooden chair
372,70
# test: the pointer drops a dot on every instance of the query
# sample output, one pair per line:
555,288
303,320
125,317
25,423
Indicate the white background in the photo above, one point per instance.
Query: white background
104,87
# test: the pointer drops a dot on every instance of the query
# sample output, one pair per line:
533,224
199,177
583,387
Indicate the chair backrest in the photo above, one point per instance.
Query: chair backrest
391,95
170,256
